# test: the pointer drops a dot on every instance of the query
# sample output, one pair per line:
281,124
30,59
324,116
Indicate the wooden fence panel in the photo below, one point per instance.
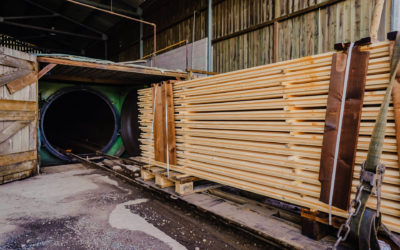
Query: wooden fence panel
18,115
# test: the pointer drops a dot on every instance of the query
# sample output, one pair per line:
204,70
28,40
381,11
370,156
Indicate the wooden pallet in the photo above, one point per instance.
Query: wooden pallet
183,183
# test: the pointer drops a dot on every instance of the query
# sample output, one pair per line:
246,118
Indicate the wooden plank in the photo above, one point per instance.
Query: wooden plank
350,129
20,83
331,124
11,130
14,158
17,105
17,115
13,75
171,122
15,62
17,168
159,129
17,176
113,67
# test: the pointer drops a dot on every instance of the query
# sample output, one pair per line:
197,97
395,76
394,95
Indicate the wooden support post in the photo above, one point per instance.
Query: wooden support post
376,19
349,133
46,69
276,41
313,229
277,13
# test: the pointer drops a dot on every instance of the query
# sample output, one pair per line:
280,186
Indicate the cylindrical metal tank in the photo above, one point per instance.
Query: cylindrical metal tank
84,119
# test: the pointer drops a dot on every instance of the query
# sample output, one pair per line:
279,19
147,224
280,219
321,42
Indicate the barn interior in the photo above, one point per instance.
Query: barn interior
203,124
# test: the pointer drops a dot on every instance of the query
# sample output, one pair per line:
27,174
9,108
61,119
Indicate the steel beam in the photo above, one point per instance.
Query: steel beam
28,17
52,30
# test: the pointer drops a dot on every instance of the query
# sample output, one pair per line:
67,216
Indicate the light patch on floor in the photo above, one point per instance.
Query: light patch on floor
122,218
108,180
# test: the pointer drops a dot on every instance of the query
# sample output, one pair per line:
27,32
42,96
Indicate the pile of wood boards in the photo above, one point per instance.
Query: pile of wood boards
261,129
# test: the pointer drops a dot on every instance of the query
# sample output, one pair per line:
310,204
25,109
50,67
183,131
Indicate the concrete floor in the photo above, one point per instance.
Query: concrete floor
73,207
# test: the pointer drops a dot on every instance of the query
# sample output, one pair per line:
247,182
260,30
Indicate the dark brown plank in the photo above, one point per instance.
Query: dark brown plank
171,122
331,123
350,128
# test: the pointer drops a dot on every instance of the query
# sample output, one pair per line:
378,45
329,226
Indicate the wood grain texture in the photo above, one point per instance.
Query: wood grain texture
351,123
18,116
331,123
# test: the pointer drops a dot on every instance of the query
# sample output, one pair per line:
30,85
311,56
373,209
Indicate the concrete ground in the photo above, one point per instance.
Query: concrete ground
74,207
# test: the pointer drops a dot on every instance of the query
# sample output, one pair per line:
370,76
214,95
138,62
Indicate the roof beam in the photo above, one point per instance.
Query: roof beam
52,30
137,13
68,18
27,17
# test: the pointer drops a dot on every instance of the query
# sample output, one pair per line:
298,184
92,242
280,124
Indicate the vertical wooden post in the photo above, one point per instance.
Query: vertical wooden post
277,13
276,41
376,19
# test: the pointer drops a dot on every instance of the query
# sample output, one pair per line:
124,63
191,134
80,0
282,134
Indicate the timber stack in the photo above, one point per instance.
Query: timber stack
272,129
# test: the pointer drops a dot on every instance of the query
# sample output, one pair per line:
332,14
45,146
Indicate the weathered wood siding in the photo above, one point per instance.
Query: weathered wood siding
18,113
313,32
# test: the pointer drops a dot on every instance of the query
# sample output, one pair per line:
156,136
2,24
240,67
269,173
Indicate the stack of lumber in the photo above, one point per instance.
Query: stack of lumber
261,129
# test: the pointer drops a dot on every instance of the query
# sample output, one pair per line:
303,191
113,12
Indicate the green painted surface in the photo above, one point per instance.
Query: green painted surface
115,94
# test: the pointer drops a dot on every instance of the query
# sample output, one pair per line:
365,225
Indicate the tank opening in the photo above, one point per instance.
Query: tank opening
81,121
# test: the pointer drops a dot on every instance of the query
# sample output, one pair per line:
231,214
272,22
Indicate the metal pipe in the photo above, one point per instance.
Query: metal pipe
209,46
123,16
141,40
193,37
395,20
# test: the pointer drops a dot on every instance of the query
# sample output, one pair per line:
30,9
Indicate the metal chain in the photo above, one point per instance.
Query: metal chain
355,204
353,211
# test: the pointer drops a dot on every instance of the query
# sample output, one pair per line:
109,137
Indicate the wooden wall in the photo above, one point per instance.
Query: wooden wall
243,29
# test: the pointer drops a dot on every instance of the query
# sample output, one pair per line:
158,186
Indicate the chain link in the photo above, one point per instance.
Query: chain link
355,204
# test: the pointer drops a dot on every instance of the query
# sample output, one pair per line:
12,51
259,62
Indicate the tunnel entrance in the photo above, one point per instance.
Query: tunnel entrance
78,119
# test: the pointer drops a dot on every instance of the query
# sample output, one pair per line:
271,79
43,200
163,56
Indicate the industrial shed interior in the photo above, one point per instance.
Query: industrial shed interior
210,124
